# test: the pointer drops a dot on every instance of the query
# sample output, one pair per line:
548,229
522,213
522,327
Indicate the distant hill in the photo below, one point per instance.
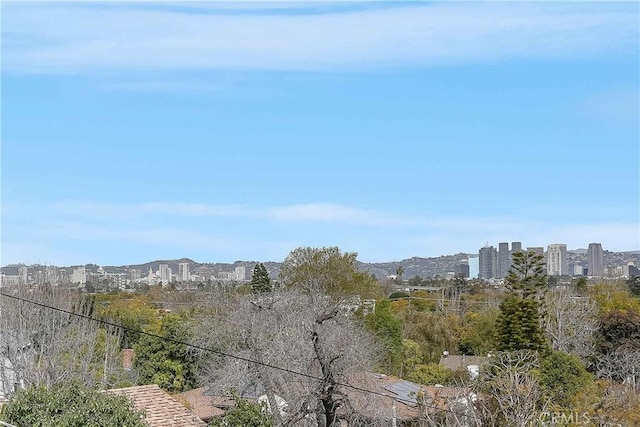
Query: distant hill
416,266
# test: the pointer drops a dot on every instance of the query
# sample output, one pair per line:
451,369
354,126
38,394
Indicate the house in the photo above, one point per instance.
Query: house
210,402
203,404
373,398
161,410
471,364
377,397
388,397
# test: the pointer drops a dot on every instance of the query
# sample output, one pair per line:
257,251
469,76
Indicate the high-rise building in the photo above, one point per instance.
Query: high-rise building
134,274
240,273
488,262
165,274
594,259
151,278
463,269
51,275
23,275
536,249
504,260
557,260
516,247
628,268
474,266
183,272
79,275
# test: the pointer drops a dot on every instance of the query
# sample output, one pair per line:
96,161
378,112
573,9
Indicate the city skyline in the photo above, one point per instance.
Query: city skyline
593,251
593,263
224,131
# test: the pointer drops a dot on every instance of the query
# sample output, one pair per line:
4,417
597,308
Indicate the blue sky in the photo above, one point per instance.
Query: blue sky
240,131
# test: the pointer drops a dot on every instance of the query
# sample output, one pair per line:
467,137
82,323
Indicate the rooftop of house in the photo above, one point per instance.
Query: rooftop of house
161,410
456,362
203,404
375,395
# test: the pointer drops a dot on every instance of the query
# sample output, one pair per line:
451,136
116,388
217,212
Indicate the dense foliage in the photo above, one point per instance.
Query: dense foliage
388,331
633,283
244,414
167,363
260,280
134,312
329,269
69,406
562,377
518,326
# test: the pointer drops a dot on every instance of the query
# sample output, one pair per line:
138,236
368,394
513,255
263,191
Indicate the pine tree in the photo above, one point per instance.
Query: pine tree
260,280
527,273
518,325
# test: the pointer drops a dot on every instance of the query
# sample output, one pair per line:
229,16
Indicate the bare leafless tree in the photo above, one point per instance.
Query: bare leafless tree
615,404
301,330
512,387
621,366
452,406
42,346
571,323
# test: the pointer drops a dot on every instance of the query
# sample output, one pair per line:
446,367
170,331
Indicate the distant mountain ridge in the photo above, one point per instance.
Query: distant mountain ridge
415,266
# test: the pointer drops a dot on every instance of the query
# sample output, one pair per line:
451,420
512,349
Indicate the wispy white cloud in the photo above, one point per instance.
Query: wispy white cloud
44,242
310,212
183,229
76,38
451,228
176,237
167,85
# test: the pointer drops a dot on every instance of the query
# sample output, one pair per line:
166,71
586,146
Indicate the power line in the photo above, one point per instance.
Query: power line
224,354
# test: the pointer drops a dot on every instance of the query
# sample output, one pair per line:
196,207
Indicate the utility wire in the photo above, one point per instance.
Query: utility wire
224,354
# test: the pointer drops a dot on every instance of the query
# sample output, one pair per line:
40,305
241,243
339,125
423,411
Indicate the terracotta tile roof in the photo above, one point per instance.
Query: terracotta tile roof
161,410
204,405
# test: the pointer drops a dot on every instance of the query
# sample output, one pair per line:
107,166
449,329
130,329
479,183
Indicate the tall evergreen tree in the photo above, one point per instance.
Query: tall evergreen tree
519,323
527,273
633,283
260,280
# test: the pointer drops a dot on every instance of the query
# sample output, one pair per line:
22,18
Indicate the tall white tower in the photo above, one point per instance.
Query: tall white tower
557,260
240,273
183,272
165,274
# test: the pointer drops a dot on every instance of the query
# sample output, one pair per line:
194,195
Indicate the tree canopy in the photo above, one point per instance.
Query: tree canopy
244,414
69,405
527,273
166,363
562,376
328,270
518,326
260,280
305,326
633,283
